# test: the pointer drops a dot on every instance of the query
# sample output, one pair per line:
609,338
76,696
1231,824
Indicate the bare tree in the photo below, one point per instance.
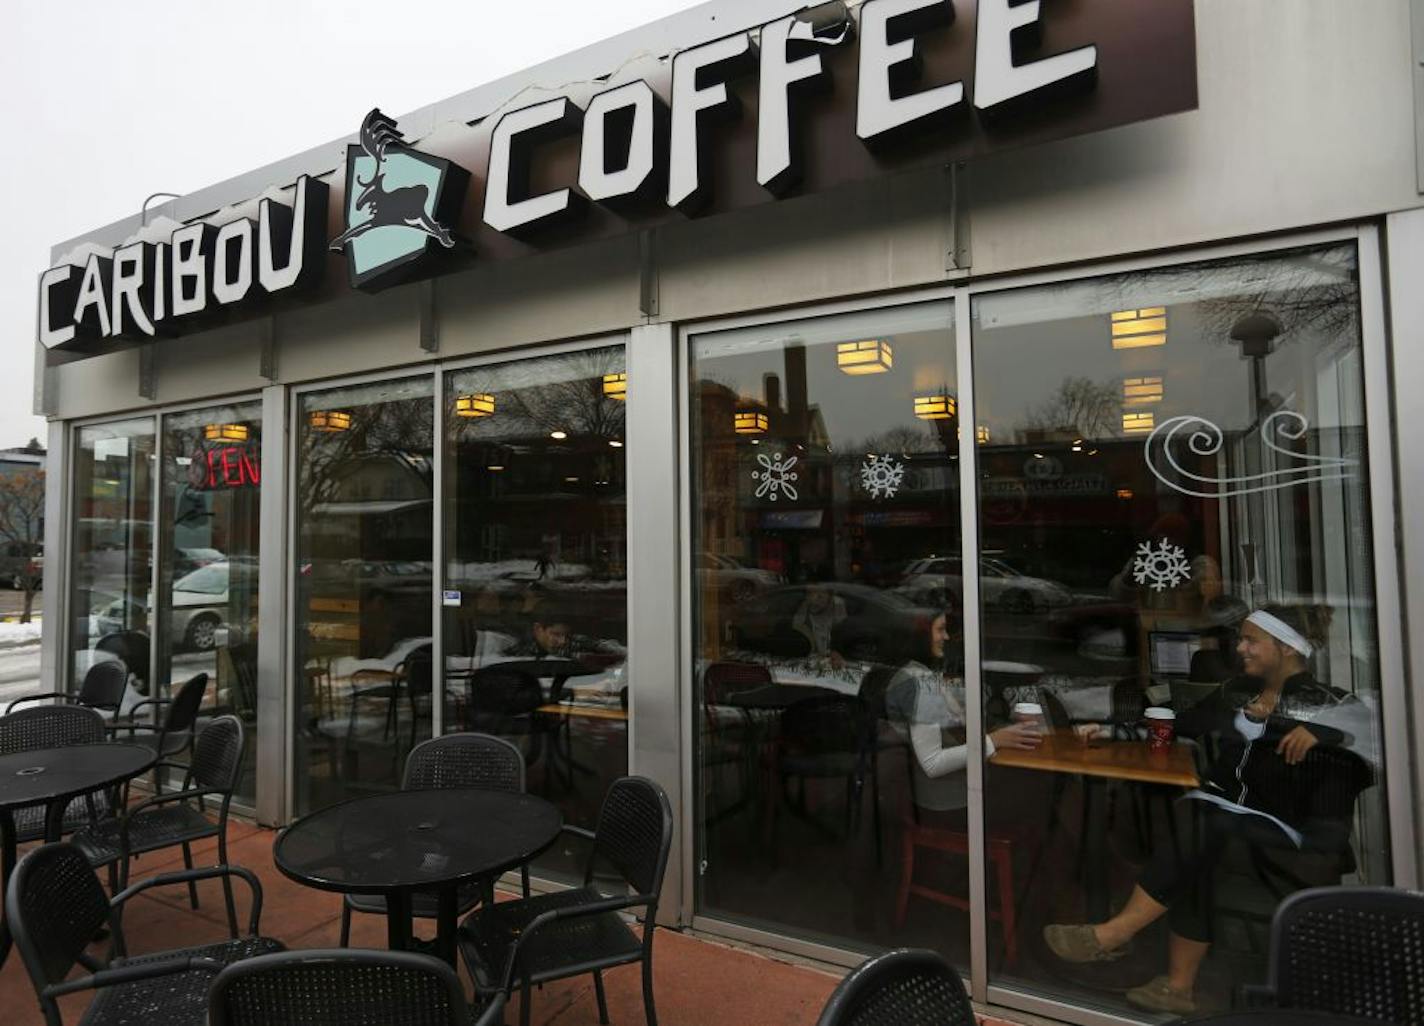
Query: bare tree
1080,407
22,499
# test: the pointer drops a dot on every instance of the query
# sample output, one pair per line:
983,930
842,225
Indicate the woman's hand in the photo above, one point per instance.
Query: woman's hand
1021,736
1091,731
1295,745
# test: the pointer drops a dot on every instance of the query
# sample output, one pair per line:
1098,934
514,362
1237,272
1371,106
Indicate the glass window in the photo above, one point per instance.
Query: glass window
831,748
211,494
1178,590
536,597
112,550
363,552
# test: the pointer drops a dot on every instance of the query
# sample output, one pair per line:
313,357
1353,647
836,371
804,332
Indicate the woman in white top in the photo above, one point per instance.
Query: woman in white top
929,706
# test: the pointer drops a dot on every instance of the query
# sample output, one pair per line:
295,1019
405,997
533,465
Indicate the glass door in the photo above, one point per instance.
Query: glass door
210,493
363,548
830,739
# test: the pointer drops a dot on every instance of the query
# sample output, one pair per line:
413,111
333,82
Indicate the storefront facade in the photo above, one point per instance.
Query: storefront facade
1146,373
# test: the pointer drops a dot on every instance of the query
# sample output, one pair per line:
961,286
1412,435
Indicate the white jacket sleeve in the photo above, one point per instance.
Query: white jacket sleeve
934,758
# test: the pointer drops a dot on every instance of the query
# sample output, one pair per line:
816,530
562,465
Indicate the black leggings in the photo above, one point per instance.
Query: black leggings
1183,882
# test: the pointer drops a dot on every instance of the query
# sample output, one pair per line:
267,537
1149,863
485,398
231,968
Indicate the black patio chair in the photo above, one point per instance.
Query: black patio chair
826,737
343,988
577,931
906,987
133,650
178,817
55,905
1350,951
455,760
54,726
502,702
174,735
102,688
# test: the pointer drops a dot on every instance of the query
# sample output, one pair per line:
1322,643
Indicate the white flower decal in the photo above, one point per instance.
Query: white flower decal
776,476
1164,566
881,476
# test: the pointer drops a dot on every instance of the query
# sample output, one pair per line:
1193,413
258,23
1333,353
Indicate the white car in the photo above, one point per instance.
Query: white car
1001,586
200,606
726,574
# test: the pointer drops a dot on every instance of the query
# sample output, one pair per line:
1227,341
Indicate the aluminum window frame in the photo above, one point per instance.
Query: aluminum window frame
1400,754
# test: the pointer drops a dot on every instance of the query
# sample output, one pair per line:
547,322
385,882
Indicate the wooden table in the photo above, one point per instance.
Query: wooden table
1097,762
1063,752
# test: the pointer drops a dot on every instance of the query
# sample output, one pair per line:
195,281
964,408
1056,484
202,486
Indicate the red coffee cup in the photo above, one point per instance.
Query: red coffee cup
1161,727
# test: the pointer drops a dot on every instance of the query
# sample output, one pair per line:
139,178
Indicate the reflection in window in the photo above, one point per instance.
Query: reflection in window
831,750
112,551
363,552
1178,579
535,599
211,495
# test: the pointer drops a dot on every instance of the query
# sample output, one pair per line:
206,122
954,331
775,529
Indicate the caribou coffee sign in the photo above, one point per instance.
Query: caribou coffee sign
802,104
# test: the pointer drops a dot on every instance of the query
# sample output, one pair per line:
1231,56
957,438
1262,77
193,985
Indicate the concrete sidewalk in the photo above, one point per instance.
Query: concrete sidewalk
698,982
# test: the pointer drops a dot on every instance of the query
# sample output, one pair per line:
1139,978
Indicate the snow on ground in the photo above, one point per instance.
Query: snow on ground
13,634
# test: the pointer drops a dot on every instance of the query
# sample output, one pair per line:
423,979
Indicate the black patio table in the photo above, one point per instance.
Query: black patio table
407,841
53,777
776,696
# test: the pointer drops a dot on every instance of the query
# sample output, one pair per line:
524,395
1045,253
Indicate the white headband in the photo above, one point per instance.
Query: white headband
1281,631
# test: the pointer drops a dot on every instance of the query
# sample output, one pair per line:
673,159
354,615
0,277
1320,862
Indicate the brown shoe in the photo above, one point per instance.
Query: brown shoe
1158,996
1078,942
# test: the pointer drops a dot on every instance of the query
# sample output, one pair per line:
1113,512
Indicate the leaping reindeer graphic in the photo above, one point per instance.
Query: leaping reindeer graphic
403,207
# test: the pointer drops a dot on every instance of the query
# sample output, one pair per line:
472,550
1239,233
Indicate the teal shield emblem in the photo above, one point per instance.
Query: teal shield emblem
401,207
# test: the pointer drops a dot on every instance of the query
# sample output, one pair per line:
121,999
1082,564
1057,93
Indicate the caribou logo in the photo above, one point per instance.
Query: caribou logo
400,205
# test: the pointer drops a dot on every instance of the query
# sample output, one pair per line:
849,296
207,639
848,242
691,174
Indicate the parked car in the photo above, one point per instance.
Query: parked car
186,560
200,605
939,579
879,626
737,581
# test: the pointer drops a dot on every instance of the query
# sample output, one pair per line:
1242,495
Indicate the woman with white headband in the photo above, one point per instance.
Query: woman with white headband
1279,779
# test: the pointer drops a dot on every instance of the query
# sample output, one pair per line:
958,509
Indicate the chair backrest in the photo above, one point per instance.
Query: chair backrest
1355,951
341,987
419,668
104,685
873,688
824,725
634,834
496,692
183,710
49,726
907,987
132,647
465,760
722,680
54,906
217,754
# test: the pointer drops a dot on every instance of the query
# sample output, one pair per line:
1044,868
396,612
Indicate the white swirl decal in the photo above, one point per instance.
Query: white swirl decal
1203,438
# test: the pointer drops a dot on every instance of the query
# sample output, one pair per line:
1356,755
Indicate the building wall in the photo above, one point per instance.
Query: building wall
1306,117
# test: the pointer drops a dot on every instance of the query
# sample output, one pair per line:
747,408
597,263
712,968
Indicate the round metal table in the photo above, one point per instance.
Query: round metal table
53,777
407,841
776,696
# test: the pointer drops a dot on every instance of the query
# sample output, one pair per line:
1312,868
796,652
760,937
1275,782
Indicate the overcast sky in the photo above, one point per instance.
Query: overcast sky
107,102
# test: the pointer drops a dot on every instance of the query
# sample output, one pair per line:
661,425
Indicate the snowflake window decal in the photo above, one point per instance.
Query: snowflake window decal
881,476
1163,566
776,476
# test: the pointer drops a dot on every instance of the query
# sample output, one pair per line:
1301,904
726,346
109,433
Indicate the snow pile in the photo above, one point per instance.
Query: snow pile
12,635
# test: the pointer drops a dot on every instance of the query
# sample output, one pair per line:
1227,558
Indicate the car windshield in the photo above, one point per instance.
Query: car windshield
207,580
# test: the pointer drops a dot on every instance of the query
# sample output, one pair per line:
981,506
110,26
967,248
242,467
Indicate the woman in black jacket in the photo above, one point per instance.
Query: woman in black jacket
1279,777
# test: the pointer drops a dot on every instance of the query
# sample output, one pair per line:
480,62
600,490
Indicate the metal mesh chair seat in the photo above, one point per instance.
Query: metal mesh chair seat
577,931
30,820
340,988
900,988
562,948
423,904
55,905
1356,951
158,827
179,998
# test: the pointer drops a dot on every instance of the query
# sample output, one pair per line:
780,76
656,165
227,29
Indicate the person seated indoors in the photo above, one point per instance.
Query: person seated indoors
929,705
816,618
1281,779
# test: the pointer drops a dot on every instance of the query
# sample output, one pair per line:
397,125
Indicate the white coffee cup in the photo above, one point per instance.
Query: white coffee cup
1030,713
